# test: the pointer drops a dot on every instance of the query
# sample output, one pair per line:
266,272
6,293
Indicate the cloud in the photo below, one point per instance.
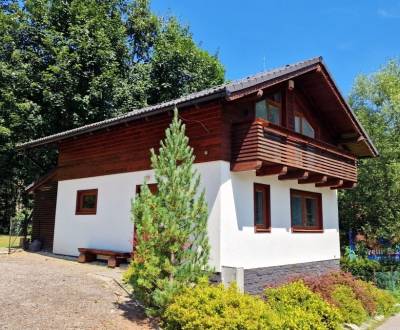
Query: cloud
389,13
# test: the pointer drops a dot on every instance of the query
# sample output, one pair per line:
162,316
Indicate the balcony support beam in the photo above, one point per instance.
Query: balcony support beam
294,175
314,178
331,182
246,166
345,185
272,170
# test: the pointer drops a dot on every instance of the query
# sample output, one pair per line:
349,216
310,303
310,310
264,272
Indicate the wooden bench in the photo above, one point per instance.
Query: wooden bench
114,257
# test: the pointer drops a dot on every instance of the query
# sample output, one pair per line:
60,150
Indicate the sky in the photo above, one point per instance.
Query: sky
353,36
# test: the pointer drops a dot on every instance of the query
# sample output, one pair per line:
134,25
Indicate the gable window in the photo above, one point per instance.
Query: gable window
306,210
86,201
262,211
302,126
270,108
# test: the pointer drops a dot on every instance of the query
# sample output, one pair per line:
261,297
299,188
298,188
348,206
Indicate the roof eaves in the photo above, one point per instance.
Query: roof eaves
202,96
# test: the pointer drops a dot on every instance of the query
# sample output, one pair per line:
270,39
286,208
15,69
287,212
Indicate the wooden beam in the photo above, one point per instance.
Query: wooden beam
246,166
272,170
345,185
294,175
331,182
351,140
315,178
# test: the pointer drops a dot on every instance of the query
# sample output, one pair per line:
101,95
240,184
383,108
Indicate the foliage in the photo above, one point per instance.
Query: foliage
215,307
384,300
374,206
64,64
389,280
326,284
172,247
362,268
300,308
351,309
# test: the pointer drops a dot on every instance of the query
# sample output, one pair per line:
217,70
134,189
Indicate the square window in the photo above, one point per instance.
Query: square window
306,211
86,201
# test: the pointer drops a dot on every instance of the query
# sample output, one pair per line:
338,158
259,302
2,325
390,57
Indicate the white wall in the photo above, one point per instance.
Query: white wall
111,227
242,247
231,232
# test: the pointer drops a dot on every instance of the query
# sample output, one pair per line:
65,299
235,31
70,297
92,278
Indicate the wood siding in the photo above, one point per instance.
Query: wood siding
126,148
264,142
44,214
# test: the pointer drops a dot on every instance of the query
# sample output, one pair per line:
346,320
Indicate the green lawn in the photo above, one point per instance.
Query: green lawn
4,241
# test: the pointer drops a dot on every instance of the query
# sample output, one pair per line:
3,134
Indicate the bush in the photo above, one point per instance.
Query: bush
385,301
300,308
362,268
216,307
326,284
351,309
389,280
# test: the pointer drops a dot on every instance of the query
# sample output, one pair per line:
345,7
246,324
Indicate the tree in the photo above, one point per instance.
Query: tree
172,248
179,66
374,206
64,64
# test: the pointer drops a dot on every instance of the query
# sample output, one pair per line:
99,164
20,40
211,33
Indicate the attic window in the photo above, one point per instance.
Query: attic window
270,108
302,126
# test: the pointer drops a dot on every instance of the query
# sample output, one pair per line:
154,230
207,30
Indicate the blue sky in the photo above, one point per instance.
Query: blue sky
353,37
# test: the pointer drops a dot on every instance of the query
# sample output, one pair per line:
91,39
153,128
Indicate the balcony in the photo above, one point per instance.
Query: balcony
274,150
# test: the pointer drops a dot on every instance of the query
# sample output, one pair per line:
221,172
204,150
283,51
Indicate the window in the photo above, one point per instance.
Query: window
262,215
306,210
270,108
86,201
302,126
152,186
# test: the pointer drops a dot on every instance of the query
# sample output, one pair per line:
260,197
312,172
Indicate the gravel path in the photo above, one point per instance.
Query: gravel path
392,323
39,291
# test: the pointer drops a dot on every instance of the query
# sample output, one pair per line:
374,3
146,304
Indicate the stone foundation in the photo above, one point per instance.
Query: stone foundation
256,279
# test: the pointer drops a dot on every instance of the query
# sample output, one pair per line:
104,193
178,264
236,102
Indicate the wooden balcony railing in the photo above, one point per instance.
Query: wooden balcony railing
269,144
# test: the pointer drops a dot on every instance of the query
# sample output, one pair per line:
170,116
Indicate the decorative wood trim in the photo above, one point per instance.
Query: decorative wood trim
314,178
319,228
331,182
266,226
80,194
241,93
295,175
272,170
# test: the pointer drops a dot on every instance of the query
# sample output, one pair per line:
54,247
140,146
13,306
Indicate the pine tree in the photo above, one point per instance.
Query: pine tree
172,248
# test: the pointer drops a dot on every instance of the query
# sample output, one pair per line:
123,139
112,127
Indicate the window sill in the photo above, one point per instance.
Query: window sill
85,213
305,230
260,230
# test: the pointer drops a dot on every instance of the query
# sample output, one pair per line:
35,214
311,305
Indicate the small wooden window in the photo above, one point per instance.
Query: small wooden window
86,201
152,186
306,211
270,108
262,208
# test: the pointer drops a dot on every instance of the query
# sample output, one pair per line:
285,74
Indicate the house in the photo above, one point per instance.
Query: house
272,150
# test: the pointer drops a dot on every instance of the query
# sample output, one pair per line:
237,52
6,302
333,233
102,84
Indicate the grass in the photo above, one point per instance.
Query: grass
4,241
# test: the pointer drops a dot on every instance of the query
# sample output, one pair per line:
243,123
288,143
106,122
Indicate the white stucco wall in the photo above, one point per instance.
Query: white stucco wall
231,216
242,247
111,227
